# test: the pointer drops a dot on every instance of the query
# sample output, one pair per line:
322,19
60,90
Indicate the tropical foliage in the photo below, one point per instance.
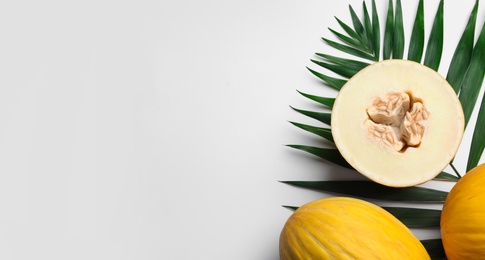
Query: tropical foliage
361,39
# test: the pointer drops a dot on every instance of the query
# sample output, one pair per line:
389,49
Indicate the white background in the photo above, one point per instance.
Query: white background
157,129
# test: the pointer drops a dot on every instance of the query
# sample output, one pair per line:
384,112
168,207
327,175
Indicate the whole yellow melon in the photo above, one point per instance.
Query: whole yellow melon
463,217
347,228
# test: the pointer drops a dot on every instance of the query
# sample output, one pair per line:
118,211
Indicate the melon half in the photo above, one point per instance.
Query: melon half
397,122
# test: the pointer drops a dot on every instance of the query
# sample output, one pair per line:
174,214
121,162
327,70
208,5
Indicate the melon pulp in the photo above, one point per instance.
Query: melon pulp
462,219
347,228
397,122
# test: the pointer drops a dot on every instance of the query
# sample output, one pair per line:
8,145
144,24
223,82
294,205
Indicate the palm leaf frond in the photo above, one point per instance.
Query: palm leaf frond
416,43
372,190
320,131
369,29
326,101
463,52
389,32
434,48
332,82
416,217
351,32
341,70
359,28
443,176
473,79
329,154
398,36
435,248
349,63
346,39
320,116
478,142
376,31
349,50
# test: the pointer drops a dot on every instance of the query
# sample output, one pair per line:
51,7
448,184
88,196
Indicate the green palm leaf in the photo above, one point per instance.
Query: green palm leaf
326,101
359,27
368,28
320,131
372,190
322,117
346,39
473,79
389,32
443,176
360,41
348,63
398,40
478,142
435,248
349,50
337,68
290,207
351,32
329,154
335,83
376,31
463,53
416,43
416,218
434,48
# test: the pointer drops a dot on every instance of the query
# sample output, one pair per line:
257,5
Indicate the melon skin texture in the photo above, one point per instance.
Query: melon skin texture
347,228
463,217
409,161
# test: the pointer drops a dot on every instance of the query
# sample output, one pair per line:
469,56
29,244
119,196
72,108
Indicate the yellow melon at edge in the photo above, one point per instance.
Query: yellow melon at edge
438,124
463,217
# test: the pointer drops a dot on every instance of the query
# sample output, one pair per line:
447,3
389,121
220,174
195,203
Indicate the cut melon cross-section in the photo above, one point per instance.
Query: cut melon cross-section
397,122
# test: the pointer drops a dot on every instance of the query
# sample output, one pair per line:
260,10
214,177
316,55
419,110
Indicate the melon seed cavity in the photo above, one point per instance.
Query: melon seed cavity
397,120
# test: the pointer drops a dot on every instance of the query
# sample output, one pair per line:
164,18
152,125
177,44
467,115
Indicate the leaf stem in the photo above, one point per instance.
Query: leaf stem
455,170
